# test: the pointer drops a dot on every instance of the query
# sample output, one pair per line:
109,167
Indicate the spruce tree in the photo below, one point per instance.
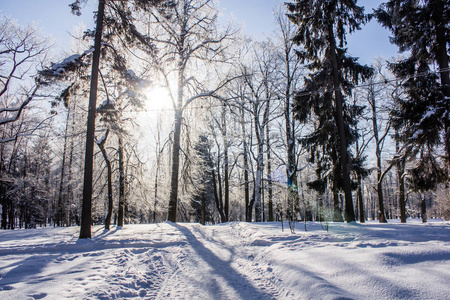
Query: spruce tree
423,115
202,200
322,30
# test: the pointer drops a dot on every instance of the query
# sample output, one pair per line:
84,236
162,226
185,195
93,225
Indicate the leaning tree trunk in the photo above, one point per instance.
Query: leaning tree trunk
101,145
86,212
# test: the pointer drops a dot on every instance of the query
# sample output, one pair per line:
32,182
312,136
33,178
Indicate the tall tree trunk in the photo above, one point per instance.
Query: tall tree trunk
337,211
259,131
423,209
359,195
121,210
59,215
86,213
401,181
337,208
156,190
291,167
248,211
216,197
203,221
101,146
173,199
269,182
3,199
69,171
225,166
340,123
381,210
258,184
360,199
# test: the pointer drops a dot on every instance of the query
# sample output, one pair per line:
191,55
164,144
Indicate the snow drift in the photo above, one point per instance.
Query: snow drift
228,261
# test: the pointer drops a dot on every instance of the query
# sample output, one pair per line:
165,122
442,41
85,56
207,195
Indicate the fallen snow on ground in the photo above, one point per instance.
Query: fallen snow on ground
229,261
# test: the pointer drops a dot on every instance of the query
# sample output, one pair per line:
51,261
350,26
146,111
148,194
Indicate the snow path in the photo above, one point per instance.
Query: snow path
209,268
228,261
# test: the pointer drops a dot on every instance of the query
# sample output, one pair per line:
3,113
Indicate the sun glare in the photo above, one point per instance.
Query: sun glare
158,99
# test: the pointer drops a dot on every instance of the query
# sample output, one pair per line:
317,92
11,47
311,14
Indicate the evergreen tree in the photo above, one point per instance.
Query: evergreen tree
202,200
423,116
322,30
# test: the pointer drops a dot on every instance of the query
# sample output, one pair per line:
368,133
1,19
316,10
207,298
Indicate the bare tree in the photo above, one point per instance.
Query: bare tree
189,38
21,51
290,73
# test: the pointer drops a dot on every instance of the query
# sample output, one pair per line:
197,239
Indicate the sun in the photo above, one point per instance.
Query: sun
158,99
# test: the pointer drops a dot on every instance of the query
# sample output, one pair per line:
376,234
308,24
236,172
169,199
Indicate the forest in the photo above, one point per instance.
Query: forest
161,112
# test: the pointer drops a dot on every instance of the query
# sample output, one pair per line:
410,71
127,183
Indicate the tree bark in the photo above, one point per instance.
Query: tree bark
173,199
423,209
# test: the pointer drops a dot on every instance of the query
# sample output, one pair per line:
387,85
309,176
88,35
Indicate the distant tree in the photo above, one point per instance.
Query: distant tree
322,29
256,101
379,139
22,51
202,200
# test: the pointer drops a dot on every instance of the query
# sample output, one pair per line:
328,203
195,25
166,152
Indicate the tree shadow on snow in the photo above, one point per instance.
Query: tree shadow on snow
222,269
25,270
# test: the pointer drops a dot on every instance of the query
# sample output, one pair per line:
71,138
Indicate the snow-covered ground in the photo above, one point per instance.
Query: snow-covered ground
229,261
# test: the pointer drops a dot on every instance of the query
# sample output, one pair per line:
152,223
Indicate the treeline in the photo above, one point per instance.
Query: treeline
292,127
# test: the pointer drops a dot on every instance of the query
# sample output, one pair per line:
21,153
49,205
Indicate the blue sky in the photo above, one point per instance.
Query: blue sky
53,17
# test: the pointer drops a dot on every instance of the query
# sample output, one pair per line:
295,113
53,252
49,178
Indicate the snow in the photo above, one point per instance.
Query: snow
229,261
131,75
60,68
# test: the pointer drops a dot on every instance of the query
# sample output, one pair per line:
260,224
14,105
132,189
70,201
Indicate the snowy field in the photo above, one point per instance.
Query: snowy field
229,261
